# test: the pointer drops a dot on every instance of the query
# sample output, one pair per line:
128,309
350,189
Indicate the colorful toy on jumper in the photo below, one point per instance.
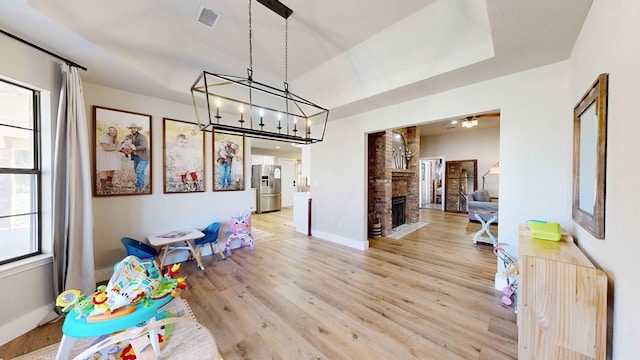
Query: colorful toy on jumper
133,281
239,228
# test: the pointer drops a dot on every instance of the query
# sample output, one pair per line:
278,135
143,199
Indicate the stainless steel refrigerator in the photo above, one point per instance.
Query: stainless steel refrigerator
266,180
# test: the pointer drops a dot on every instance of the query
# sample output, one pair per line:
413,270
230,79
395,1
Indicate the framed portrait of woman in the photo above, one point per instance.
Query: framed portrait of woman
122,161
183,157
228,162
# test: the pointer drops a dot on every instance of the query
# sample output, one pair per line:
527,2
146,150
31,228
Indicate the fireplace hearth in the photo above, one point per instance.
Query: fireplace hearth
398,210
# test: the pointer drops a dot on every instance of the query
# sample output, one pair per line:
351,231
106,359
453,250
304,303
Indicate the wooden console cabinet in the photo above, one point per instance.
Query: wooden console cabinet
562,301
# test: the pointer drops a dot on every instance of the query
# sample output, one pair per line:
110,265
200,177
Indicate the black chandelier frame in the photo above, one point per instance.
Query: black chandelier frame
278,110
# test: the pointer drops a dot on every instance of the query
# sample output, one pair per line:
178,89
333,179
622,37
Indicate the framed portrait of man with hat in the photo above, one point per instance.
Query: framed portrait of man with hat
122,157
228,162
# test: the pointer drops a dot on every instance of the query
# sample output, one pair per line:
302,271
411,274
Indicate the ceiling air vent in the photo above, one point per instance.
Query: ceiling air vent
207,16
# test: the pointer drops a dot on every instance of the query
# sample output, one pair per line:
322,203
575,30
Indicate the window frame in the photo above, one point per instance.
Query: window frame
36,170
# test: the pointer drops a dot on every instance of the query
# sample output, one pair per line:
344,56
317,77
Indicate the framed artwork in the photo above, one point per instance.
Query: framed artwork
122,161
589,157
183,155
228,162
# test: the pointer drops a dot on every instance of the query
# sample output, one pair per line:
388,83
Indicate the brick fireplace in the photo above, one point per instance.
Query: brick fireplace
387,182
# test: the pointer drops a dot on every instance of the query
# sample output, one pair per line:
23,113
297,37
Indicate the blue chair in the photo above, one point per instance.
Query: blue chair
210,237
140,250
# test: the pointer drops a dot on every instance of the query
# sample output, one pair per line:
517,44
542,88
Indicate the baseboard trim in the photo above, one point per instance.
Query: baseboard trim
356,244
24,324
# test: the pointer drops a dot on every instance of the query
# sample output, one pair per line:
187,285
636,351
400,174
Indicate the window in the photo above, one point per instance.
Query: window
20,184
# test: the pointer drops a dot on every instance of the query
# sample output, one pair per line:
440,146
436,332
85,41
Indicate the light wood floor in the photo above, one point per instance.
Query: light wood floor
427,296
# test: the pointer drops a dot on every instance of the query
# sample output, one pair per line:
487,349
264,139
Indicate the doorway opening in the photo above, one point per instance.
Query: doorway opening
461,179
431,183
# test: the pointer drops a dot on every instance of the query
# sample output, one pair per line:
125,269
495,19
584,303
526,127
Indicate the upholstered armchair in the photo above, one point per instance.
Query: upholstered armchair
480,200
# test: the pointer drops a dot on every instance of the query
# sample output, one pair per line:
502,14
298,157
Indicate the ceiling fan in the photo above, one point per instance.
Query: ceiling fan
472,121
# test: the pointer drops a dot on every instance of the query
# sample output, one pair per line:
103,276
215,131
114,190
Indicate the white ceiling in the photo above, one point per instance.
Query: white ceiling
156,48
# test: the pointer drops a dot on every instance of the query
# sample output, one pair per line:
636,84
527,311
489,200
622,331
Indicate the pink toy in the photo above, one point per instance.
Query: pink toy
239,228
507,291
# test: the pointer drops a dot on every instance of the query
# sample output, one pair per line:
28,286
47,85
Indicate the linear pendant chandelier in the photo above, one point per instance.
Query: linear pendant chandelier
244,106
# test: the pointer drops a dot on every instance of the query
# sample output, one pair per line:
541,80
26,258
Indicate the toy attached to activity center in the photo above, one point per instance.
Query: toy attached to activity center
239,228
133,282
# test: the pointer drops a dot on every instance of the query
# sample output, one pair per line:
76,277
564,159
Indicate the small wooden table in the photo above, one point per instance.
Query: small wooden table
167,243
486,218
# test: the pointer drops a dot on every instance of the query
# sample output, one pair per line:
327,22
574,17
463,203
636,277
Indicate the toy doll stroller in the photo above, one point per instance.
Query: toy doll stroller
510,292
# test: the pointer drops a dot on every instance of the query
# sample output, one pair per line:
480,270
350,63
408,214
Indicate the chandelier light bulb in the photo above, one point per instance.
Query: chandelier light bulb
218,104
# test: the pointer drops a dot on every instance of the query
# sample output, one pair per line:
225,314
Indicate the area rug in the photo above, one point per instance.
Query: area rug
404,230
185,341
260,234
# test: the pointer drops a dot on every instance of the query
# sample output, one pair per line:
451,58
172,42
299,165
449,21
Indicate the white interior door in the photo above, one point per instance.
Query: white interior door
426,183
430,180
287,187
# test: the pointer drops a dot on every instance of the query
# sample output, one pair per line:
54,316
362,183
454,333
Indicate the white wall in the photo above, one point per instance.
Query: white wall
480,144
608,43
295,153
306,165
142,215
535,162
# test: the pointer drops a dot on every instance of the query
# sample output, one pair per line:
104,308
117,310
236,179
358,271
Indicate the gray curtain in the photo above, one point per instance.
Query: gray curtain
72,204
